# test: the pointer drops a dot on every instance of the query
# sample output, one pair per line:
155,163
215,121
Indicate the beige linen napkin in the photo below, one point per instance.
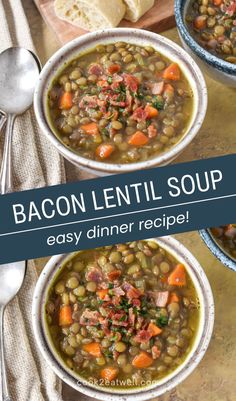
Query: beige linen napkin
36,163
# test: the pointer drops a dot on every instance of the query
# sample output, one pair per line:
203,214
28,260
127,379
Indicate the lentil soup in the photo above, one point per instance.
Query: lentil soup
213,25
124,315
225,236
120,103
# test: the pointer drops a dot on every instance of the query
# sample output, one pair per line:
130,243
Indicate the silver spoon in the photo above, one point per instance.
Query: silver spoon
19,74
11,279
3,119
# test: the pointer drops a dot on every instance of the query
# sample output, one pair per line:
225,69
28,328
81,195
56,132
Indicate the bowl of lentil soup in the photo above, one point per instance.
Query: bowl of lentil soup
126,321
222,243
120,100
208,32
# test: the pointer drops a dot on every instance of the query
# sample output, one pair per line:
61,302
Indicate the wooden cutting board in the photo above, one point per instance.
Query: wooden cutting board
158,19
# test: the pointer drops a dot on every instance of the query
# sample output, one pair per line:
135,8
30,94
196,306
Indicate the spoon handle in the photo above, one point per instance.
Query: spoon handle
4,393
3,119
6,168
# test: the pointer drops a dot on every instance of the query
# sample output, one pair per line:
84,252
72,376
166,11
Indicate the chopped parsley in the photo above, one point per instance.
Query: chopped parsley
107,353
158,103
152,341
105,132
109,80
162,321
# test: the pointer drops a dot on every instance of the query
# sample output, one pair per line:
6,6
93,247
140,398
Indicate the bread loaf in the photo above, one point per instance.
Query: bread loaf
91,14
136,8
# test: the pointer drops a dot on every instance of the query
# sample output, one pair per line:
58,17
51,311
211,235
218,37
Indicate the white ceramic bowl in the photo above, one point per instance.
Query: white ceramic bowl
142,38
199,346
215,67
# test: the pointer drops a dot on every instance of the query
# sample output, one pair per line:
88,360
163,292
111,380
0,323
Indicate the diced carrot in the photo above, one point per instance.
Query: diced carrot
65,101
138,139
93,349
90,129
104,150
151,111
102,293
102,83
142,360
113,275
200,22
217,2
109,373
169,89
65,316
114,68
173,298
172,72
154,330
178,276
169,92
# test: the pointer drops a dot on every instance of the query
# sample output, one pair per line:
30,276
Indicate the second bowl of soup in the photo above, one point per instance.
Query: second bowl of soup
222,243
127,319
120,100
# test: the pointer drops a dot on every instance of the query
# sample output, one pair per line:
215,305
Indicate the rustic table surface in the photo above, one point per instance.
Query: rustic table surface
214,379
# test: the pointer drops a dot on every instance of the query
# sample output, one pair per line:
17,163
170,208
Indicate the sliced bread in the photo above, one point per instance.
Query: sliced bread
136,8
91,14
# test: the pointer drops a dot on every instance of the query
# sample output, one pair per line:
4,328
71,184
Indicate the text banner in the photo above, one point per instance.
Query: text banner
119,208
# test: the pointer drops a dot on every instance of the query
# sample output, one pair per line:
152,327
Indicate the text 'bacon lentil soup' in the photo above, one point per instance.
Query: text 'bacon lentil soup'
213,25
123,315
225,236
120,103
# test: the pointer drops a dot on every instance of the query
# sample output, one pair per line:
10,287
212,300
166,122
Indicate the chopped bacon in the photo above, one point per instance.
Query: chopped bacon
94,274
155,352
118,291
131,291
116,301
115,86
114,102
152,131
102,103
88,101
131,317
157,88
95,69
143,336
89,318
231,9
160,297
136,302
114,275
139,114
119,323
230,231
131,82
118,319
115,354
117,78
129,100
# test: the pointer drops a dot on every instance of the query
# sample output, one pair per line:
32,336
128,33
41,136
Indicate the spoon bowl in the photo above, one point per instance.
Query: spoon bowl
19,75
20,70
11,278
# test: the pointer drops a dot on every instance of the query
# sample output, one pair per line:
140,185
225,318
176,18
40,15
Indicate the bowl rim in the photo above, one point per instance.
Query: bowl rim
199,346
217,251
203,54
201,98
